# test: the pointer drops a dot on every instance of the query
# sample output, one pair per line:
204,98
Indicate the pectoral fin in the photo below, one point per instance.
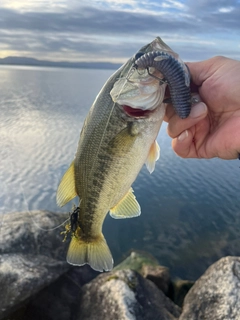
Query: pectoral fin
128,207
66,190
153,156
124,140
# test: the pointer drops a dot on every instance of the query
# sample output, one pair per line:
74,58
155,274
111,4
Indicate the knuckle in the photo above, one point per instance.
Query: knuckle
218,60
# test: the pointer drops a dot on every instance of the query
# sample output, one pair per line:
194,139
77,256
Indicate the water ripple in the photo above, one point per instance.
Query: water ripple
190,208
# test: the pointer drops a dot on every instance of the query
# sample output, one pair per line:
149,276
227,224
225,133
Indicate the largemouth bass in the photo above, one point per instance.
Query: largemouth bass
117,138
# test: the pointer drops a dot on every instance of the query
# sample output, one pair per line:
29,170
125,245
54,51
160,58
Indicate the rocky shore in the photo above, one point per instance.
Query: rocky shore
36,282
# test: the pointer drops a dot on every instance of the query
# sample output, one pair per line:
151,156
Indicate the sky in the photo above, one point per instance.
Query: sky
113,30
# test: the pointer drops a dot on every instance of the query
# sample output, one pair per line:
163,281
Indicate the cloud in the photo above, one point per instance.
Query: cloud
95,21
202,7
87,20
107,30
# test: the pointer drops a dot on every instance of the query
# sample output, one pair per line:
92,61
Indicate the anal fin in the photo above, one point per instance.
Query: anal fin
128,207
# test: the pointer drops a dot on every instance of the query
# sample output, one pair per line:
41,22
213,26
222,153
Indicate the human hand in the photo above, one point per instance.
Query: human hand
213,126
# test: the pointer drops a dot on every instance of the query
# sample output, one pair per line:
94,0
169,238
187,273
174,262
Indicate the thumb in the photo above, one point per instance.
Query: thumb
202,70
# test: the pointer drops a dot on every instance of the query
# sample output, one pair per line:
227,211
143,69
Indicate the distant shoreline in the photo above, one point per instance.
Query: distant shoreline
23,61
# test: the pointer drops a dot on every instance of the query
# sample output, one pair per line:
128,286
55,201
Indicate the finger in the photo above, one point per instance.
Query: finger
169,113
176,125
184,146
196,71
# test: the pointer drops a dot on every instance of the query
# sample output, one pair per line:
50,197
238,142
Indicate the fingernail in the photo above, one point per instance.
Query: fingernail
183,135
198,110
195,99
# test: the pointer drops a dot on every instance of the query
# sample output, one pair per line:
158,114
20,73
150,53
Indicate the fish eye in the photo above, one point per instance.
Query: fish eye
138,55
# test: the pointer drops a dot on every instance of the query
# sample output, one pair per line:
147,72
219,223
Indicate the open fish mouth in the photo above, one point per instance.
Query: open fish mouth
142,86
139,90
136,112
174,75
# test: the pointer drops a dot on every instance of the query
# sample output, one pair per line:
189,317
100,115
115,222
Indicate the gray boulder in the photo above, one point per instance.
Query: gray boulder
59,300
33,232
216,295
124,295
30,257
159,275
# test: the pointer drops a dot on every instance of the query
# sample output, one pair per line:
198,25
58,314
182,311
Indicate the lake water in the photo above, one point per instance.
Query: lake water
190,208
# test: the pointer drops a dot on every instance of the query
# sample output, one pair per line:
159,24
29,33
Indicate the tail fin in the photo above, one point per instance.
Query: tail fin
95,253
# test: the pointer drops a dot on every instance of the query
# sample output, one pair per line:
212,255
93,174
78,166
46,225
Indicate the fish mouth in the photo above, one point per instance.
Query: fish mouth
136,112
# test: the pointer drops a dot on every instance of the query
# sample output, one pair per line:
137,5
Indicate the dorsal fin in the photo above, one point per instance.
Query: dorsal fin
66,190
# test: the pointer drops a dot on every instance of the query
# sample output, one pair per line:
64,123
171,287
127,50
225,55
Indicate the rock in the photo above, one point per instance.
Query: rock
148,267
159,275
136,260
21,276
60,300
216,294
33,233
30,257
124,295
179,289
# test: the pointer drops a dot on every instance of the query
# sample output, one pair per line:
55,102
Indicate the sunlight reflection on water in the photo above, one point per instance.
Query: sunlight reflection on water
190,208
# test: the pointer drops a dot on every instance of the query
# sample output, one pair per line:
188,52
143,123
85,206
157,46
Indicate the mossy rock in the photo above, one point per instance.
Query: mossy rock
136,261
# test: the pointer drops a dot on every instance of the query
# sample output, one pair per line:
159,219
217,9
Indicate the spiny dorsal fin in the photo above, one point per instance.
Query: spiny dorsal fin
66,190
153,156
128,207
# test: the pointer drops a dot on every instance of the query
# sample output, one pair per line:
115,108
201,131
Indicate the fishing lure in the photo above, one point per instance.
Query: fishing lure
74,219
73,224
174,75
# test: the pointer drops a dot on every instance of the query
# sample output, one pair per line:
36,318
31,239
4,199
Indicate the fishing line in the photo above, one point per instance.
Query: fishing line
4,183
31,215
13,165
26,204
3,215
108,119
129,74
